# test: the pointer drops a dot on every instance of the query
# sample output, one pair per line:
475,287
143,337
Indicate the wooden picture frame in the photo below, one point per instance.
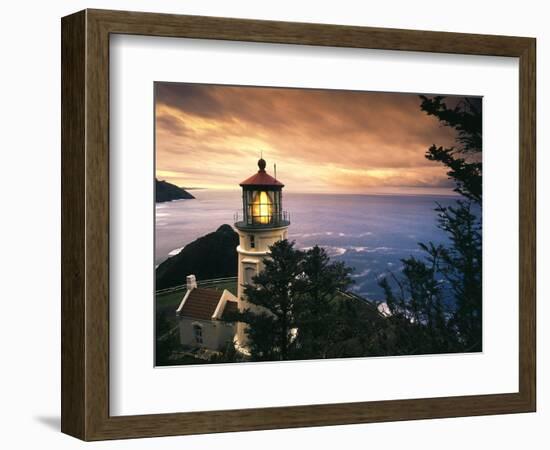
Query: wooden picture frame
85,224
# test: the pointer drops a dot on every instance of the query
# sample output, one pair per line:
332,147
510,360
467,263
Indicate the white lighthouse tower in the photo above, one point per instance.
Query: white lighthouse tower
261,223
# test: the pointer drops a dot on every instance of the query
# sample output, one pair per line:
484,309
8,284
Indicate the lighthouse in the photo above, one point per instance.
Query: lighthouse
261,223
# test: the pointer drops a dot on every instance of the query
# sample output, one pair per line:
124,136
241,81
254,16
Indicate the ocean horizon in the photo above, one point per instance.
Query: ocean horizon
369,232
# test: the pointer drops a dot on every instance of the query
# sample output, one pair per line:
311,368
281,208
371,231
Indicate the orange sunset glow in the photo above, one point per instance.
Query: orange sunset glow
322,141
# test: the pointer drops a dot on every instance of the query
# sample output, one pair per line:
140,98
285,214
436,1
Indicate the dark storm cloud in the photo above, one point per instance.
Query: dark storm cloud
320,139
194,98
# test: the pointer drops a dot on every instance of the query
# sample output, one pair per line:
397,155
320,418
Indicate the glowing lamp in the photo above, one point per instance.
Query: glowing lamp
262,201
262,208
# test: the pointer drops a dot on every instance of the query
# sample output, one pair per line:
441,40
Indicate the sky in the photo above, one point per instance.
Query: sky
322,141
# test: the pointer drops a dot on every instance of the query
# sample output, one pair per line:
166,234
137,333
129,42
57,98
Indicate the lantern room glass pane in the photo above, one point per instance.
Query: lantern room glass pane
262,208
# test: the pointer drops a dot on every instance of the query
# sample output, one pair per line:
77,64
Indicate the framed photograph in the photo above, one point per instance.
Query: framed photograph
273,225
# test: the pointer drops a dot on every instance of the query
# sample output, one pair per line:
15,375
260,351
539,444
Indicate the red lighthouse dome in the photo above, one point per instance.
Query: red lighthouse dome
262,201
261,178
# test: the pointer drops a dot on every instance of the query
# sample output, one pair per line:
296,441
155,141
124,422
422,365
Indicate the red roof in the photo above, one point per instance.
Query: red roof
262,178
201,303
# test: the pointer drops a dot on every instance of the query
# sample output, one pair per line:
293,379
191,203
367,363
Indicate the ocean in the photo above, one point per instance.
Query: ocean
370,233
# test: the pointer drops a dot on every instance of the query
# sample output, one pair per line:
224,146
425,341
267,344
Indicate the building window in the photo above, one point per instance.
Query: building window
252,241
197,332
249,273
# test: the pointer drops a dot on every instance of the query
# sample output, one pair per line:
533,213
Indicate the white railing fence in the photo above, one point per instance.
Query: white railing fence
202,283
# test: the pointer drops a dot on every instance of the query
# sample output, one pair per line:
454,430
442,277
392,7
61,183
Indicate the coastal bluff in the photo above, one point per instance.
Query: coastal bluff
211,256
166,192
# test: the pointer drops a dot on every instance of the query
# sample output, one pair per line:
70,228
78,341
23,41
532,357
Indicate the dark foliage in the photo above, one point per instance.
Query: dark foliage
316,311
210,256
465,118
167,340
300,309
462,268
228,354
464,161
423,322
273,294
467,175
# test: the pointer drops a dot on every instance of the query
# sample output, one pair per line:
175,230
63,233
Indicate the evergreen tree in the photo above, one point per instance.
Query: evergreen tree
418,315
464,161
228,354
462,260
271,319
462,268
317,314
358,329
167,340
418,306
296,305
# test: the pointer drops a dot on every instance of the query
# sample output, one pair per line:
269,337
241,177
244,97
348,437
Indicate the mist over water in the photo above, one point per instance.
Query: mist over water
370,233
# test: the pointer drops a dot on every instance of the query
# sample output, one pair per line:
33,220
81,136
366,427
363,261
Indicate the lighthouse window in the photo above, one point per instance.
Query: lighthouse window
249,273
252,242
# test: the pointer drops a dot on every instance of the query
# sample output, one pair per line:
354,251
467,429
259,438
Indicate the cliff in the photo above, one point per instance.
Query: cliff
165,192
211,256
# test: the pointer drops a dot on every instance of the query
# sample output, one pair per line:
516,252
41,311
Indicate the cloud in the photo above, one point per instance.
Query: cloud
321,140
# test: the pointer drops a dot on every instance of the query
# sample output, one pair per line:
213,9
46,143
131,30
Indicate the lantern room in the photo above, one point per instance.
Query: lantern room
262,201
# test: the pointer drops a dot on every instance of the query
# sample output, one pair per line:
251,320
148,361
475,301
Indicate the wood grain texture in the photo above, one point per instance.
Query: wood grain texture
527,224
73,226
85,224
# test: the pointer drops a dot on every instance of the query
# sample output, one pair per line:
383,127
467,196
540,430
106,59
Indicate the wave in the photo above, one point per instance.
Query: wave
317,233
384,309
335,251
362,274
361,249
331,251
175,251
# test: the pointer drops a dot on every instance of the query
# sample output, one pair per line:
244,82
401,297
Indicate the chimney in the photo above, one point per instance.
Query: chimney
191,282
